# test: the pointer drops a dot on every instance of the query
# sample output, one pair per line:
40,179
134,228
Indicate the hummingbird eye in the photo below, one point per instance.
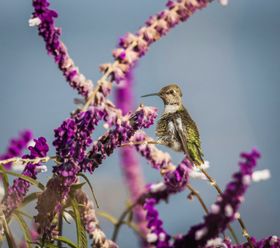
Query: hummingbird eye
171,92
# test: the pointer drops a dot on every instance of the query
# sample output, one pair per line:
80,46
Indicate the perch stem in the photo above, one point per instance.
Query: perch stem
152,142
26,160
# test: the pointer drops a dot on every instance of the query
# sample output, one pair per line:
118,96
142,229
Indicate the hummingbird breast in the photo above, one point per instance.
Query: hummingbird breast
167,133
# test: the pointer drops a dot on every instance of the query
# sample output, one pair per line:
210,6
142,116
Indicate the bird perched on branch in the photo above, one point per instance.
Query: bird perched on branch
175,128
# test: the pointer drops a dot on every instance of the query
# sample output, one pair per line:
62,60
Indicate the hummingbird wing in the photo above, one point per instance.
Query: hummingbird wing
182,134
189,137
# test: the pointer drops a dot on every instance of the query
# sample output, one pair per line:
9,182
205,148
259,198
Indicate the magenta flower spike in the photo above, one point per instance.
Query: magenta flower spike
44,18
18,190
133,46
125,127
268,242
174,181
16,147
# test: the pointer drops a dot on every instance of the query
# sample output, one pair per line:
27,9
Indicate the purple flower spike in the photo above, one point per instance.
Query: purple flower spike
157,158
270,242
174,182
73,136
44,18
18,190
133,46
124,129
225,209
157,235
72,139
177,179
16,147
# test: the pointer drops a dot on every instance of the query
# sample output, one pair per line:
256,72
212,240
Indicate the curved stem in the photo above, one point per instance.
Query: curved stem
121,221
218,189
114,221
199,198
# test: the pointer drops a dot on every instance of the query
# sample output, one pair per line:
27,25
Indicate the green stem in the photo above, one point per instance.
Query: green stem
121,220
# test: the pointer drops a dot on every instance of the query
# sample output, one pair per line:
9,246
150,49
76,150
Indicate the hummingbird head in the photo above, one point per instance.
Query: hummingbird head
170,94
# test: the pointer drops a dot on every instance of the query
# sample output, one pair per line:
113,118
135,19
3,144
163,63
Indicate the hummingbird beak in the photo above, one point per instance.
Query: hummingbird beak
153,94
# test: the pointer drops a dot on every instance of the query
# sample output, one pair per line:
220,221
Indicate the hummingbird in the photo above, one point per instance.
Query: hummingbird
175,128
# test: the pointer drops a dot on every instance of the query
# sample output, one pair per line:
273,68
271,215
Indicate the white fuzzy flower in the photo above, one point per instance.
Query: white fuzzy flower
161,236
273,240
223,2
41,168
151,237
246,179
215,209
106,126
195,173
241,198
157,187
217,242
228,210
200,233
193,2
34,22
31,143
237,215
261,175
205,165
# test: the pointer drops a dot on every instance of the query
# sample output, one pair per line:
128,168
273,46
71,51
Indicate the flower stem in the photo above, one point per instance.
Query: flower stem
199,198
121,220
140,143
27,160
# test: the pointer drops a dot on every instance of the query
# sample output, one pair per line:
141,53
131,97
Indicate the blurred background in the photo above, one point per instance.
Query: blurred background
226,60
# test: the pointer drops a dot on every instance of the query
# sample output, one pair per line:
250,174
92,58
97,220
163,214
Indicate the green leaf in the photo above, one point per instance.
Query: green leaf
29,198
24,228
81,233
108,216
77,186
8,234
65,218
5,180
130,216
26,178
66,241
24,214
91,188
